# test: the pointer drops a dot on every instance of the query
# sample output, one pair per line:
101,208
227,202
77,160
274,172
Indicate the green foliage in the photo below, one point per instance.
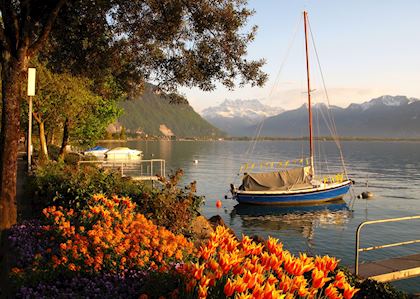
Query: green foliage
92,127
174,43
151,110
63,97
372,289
173,207
57,183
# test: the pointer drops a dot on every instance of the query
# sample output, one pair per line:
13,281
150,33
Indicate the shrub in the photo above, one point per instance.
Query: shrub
372,289
57,183
172,207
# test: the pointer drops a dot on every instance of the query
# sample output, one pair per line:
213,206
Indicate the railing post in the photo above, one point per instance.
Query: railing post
356,259
359,228
151,167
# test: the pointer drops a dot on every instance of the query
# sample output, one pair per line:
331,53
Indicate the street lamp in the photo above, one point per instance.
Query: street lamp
31,93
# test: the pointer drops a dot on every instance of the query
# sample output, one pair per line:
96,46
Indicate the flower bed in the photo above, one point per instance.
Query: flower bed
113,251
246,269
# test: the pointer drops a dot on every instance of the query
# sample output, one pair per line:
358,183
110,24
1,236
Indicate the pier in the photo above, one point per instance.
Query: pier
138,170
391,269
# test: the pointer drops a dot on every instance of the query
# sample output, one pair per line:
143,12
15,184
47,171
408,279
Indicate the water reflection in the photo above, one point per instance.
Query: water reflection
301,219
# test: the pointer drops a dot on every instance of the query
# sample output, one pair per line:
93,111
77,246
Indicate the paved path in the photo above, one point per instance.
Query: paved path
22,197
24,212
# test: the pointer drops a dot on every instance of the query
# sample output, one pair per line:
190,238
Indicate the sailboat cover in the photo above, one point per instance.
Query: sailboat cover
295,178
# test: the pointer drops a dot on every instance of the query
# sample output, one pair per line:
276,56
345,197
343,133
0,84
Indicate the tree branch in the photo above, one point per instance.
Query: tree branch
3,42
37,117
46,29
25,18
11,24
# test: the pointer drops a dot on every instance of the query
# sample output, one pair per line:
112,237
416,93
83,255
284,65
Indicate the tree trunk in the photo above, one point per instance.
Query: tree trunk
51,136
12,74
43,153
66,138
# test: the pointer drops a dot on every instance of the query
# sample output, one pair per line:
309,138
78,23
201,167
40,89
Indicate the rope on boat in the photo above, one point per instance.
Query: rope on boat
333,128
252,145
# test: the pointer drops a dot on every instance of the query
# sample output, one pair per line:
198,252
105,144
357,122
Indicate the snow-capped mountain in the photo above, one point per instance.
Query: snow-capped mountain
233,115
387,100
386,116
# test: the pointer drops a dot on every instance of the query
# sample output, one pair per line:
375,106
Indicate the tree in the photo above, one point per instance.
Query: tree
89,126
169,42
67,101
24,28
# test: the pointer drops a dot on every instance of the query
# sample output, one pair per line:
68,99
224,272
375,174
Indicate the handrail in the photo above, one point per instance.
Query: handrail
132,165
361,225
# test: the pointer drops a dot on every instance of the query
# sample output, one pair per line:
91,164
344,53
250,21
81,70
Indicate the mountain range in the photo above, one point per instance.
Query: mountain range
159,114
233,116
384,117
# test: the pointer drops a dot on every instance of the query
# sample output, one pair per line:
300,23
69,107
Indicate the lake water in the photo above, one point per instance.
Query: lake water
390,169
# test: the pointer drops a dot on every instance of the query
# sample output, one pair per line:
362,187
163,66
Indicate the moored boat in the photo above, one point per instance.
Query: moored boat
296,186
123,153
97,151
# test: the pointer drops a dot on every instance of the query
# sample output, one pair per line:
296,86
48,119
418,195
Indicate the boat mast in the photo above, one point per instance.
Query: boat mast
311,142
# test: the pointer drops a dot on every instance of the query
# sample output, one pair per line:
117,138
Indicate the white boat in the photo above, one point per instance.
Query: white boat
123,153
296,186
97,151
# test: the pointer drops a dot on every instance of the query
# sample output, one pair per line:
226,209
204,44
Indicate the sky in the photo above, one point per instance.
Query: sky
366,48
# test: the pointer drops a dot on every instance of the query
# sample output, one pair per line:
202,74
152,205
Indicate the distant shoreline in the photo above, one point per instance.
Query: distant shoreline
329,138
245,138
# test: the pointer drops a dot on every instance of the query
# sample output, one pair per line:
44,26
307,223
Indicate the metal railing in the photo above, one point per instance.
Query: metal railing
138,168
361,225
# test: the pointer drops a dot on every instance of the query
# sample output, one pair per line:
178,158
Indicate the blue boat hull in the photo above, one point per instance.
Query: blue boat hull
306,197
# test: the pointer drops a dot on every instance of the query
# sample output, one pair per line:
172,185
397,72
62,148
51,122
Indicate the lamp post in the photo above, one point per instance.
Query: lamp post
31,93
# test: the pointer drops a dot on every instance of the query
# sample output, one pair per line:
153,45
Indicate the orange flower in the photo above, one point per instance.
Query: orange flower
198,271
258,291
229,288
72,267
285,283
240,285
318,278
340,280
332,292
349,291
244,296
16,270
202,291
63,246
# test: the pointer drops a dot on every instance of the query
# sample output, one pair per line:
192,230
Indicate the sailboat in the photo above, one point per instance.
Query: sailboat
294,186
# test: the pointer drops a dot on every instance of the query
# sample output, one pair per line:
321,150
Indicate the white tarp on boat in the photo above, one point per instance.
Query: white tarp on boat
281,180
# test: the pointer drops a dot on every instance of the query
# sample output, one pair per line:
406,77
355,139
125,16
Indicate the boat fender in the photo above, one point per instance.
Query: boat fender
353,182
232,189
367,194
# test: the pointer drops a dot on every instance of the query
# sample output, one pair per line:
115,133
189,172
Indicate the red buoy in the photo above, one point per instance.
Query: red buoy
218,204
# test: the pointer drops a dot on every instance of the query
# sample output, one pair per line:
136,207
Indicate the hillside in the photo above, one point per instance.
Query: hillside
155,114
